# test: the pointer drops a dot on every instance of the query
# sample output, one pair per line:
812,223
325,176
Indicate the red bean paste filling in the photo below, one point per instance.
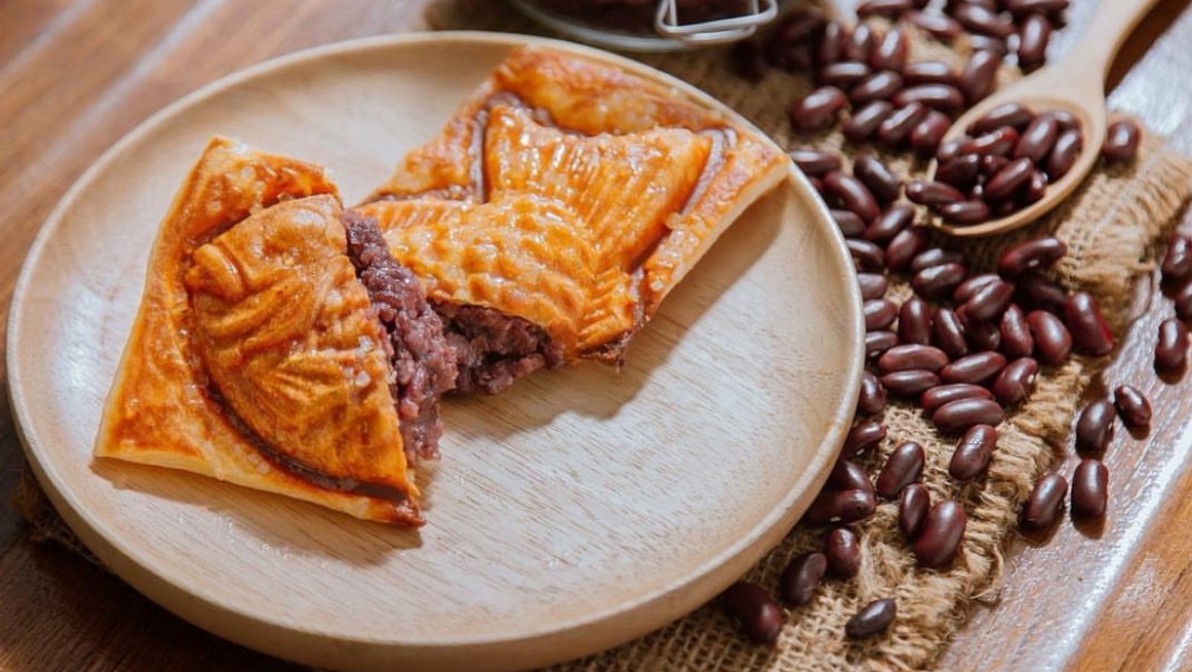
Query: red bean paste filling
423,364
493,349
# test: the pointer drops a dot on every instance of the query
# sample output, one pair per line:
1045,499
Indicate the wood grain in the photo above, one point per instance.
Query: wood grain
1120,602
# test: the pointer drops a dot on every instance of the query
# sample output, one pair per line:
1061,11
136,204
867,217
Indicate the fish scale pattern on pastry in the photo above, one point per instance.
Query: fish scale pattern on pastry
653,176
249,338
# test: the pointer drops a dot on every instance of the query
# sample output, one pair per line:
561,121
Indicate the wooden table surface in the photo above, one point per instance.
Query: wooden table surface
78,74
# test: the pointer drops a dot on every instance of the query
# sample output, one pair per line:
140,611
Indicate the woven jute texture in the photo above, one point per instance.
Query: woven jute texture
1111,225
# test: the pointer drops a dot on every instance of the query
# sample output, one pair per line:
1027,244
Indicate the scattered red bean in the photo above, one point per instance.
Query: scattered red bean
1132,405
873,285
758,615
840,506
909,356
943,529
801,578
1090,333
864,122
1177,262
914,323
955,417
973,453
909,383
1094,428
872,399
843,552
1053,343
814,162
912,509
942,394
873,619
903,467
1045,503
905,246
1171,351
818,109
977,78
847,475
1014,383
862,438
1016,334
1090,489
878,178
1121,141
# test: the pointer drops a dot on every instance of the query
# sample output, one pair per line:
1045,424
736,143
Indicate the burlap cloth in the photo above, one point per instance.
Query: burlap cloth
1111,225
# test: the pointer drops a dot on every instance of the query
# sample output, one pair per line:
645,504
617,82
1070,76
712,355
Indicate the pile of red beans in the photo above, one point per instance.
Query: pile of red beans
965,347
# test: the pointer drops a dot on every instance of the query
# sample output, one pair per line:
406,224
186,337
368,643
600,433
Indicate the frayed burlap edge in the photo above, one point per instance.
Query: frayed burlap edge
1111,225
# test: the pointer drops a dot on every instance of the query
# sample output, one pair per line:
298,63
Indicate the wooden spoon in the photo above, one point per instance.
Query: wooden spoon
1076,84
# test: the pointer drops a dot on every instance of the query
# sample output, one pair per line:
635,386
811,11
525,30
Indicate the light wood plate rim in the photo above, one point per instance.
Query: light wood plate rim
647,612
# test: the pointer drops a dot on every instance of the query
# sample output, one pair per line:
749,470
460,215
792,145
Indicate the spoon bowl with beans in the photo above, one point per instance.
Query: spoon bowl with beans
1020,152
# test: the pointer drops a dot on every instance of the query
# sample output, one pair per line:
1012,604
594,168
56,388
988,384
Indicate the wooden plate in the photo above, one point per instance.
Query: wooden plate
580,509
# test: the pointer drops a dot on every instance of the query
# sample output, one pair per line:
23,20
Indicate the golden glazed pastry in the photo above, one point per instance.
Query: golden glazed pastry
263,352
647,178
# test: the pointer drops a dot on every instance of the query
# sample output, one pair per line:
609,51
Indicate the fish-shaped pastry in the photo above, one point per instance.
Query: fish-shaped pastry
648,178
279,346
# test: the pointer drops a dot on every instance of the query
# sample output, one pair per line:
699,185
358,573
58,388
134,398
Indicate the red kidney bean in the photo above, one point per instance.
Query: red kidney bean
897,127
942,532
802,577
873,619
927,134
966,289
1183,302
908,356
873,285
974,368
831,44
981,336
912,509
905,246
1033,36
879,314
971,457
817,109
928,72
848,475
982,20
998,143
937,25
978,76
1039,293
1090,333
989,301
956,416
1090,489
1065,119
861,45
932,194
960,172
938,282
882,182
965,212
843,552
878,86
1064,154
842,74
1009,180
1045,503
1035,189
1038,139
1015,115
749,60
989,165
1177,261
949,149
1053,343
909,383
891,51
1029,256
759,616
865,121
993,45
914,324
942,97
840,506
849,223
1121,140
1094,428
1014,383
869,256
903,467
852,194
1016,339
948,333
943,394
1171,350
872,399
1132,406
934,257
815,163
863,438
877,342
1045,7
886,8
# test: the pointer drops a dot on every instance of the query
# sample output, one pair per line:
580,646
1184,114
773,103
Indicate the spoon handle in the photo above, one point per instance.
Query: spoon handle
1109,26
